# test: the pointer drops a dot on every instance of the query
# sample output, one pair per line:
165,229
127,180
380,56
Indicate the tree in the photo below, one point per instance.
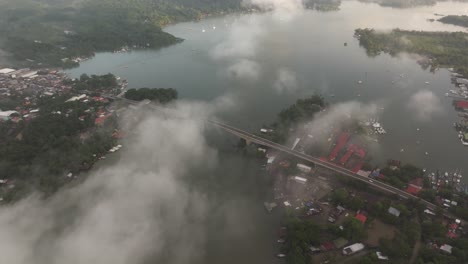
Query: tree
353,229
339,196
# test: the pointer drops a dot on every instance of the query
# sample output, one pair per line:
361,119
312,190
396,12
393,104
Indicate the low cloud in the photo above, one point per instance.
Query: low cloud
242,41
244,70
424,105
138,209
335,118
239,51
286,81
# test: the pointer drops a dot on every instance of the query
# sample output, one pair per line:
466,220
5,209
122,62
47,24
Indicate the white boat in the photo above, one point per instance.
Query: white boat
281,255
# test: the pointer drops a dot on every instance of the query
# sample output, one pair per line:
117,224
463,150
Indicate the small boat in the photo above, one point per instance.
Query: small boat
281,255
281,241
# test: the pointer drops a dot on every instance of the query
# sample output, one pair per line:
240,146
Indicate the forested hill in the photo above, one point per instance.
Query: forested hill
45,33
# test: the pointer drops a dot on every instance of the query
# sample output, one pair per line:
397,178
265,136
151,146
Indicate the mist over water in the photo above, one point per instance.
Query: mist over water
165,199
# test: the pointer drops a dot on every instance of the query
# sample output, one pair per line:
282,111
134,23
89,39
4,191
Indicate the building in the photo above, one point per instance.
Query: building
304,168
349,250
362,218
6,114
415,186
300,180
393,211
6,71
460,105
446,248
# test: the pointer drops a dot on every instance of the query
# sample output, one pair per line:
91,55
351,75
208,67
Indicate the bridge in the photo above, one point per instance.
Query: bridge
318,162
251,138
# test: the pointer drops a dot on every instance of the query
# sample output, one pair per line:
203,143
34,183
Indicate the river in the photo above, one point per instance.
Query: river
309,45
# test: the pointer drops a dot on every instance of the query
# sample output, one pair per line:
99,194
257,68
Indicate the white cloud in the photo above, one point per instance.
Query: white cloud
244,70
286,81
122,214
424,104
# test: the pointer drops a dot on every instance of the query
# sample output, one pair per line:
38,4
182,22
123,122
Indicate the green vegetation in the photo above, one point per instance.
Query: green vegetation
300,236
401,176
303,110
93,83
455,20
162,95
50,146
441,49
50,33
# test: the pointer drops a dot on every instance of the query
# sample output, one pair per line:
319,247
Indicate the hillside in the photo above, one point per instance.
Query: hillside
49,33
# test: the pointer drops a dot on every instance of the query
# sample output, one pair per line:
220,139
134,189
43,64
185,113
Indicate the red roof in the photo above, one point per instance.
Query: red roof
342,139
100,120
418,182
453,226
451,234
328,246
362,218
413,189
461,104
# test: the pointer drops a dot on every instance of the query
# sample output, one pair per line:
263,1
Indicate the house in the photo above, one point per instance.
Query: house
393,211
353,249
446,248
415,186
460,105
362,218
300,180
6,114
304,168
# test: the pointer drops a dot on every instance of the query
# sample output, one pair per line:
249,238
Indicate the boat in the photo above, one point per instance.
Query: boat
281,240
281,255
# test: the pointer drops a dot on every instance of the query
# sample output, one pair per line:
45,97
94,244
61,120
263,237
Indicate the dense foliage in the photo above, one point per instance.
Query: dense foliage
49,146
301,111
441,49
52,33
161,95
300,236
401,176
455,20
95,82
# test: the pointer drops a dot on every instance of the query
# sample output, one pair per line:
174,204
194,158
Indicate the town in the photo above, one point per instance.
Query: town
328,217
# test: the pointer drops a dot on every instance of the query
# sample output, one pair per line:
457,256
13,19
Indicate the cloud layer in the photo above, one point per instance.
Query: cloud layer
138,208
424,104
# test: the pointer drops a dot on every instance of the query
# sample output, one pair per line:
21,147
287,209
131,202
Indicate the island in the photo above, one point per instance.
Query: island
455,20
437,49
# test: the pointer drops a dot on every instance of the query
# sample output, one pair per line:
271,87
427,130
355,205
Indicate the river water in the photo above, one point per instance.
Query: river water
309,45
